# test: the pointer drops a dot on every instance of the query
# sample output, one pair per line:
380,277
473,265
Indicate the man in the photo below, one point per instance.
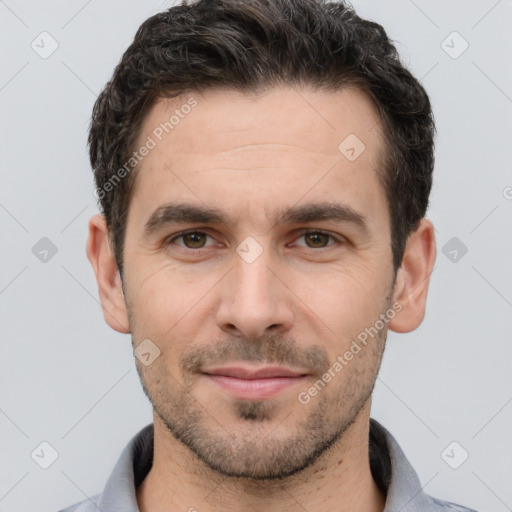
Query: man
263,170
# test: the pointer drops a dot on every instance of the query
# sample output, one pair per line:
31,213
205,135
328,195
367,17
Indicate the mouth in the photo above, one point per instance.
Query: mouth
254,383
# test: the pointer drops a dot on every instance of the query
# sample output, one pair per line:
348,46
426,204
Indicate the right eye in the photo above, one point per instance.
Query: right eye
192,240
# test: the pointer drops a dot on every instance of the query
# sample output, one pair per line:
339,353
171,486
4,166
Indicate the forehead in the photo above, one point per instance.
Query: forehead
223,147
317,120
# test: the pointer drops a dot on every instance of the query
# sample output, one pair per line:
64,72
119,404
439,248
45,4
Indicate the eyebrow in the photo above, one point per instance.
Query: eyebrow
197,214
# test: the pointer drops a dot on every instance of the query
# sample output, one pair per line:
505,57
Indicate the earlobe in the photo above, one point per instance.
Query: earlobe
107,275
413,278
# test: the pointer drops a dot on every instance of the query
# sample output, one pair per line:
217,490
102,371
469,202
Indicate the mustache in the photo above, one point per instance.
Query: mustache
270,349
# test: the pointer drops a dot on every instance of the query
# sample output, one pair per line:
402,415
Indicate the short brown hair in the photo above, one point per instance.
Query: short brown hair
251,45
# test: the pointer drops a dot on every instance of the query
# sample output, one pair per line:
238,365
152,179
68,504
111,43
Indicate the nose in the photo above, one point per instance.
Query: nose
255,299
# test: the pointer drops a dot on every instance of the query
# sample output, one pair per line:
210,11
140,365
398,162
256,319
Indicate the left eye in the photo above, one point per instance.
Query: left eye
197,239
319,239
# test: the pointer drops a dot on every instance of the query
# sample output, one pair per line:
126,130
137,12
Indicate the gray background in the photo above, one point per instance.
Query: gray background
69,380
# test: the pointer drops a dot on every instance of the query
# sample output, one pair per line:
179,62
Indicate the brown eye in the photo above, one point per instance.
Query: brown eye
194,240
317,239
191,240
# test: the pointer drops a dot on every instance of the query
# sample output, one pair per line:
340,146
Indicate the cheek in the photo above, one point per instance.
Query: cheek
168,304
346,302
153,296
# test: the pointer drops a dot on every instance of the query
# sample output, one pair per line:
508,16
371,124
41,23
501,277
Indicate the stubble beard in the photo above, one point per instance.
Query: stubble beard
259,450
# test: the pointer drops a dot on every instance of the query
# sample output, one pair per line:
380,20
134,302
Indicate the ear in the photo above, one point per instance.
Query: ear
107,275
413,278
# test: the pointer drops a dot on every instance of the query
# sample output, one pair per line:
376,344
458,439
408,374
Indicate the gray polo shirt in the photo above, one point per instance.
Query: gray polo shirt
390,469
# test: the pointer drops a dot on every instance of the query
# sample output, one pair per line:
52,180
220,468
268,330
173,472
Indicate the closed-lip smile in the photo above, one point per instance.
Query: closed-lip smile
252,383
266,372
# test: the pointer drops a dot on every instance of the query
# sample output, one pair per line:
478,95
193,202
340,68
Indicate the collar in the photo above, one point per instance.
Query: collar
390,469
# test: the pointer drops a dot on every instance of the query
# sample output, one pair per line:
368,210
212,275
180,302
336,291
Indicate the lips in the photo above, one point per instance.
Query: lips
254,384
252,374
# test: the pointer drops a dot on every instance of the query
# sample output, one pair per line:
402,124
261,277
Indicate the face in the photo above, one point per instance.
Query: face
266,276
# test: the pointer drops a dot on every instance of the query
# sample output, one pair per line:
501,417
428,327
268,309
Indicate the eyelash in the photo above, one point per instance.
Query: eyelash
300,235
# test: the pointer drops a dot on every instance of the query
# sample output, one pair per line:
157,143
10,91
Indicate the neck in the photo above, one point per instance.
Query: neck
339,480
